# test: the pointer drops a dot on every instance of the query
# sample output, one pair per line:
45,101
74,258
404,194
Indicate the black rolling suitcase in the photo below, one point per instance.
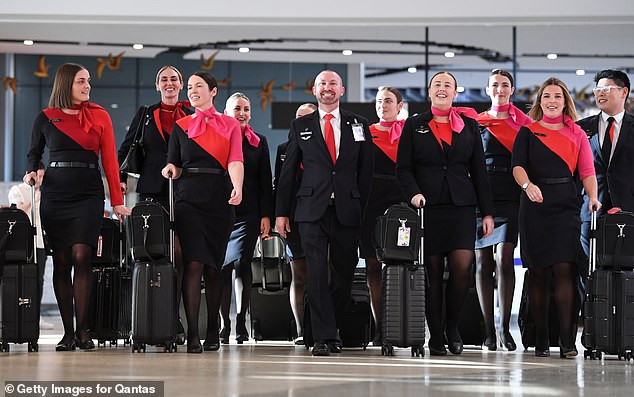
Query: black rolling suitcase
403,295
608,310
19,288
154,311
270,307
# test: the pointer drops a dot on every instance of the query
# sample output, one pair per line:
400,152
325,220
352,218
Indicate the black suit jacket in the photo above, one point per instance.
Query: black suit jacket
349,178
618,177
150,181
257,188
421,164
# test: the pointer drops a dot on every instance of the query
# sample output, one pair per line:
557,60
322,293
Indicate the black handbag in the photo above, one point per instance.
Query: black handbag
133,162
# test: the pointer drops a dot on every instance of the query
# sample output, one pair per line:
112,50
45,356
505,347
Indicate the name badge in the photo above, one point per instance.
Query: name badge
357,132
305,135
404,234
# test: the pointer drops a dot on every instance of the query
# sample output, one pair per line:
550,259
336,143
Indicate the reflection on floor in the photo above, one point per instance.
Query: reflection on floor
281,369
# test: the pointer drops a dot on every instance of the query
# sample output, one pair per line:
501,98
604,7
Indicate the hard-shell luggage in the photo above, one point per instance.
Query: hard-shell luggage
125,303
403,296
615,241
105,296
396,235
154,311
149,231
20,287
269,306
608,310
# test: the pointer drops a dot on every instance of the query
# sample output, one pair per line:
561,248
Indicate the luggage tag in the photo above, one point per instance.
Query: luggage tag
357,132
403,237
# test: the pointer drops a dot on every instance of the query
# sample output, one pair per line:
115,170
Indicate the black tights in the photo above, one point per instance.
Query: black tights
564,274
244,281
193,273
459,263
76,290
486,265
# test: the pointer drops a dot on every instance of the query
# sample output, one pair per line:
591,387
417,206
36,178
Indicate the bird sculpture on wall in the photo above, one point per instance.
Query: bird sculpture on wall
583,98
208,63
225,82
9,82
309,86
266,94
112,62
42,68
290,86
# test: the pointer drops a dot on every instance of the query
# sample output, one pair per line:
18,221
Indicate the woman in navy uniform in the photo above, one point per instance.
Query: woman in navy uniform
157,122
385,190
498,129
440,164
77,133
547,155
203,149
253,218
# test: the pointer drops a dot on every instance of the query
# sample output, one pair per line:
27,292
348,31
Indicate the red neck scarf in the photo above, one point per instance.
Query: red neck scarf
568,122
209,117
85,118
455,121
516,114
252,137
395,128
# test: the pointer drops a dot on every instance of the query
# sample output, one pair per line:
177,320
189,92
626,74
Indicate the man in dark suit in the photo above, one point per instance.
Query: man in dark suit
334,147
611,135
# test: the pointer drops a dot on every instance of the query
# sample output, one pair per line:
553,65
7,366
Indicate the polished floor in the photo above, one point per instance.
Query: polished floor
281,369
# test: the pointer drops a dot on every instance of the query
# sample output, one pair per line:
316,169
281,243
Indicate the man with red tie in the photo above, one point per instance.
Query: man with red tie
611,134
334,147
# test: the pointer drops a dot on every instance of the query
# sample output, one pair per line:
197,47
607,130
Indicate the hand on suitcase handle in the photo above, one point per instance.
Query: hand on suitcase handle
29,178
418,201
171,171
594,205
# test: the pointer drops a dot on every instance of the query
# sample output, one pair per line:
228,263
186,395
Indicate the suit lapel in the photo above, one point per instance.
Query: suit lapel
593,131
318,134
626,129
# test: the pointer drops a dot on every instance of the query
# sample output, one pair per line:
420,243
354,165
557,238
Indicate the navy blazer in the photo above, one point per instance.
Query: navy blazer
421,165
617,178
349,178
150,181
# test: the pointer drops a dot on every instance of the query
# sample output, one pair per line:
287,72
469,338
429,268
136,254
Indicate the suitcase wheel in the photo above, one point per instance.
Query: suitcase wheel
387,350
113,343
5,347
628,356
418,351
33,347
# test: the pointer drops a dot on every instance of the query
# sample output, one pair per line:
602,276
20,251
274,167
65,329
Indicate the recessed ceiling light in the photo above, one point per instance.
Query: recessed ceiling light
580,72
551,56
137,46
114,106
450,54
347,52
412,69
28,42
243,50
460,89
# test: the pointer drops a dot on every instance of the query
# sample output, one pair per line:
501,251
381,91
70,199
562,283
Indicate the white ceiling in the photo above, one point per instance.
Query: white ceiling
586,34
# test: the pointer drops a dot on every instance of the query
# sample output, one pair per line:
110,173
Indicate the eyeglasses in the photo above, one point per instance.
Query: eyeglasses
604,89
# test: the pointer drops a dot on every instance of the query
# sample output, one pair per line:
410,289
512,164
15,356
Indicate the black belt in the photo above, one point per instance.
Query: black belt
384,176
71,164
495,168
553,181
200,170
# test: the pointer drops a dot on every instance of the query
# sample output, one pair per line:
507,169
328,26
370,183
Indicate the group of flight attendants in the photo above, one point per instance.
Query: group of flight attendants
483,179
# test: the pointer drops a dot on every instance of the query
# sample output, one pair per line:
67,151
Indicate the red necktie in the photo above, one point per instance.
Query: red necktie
330,137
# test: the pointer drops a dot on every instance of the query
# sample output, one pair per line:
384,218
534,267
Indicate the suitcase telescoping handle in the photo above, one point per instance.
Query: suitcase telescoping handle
421,248
33,220
171,205
593,242
122,238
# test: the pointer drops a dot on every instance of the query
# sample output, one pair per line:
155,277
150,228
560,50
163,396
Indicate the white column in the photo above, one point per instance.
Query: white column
9,104
355,86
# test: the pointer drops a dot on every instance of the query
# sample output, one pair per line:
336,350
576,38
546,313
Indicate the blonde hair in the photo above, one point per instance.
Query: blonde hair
164,68
235,96
536,113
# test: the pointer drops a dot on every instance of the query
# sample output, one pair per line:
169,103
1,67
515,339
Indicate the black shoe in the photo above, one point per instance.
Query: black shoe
490,343
211,346
225,333
86,343
242,335
335,346
455,345
180,333
66,344
299,341
567,351
194,348
436,349
507,342
542,353
321,349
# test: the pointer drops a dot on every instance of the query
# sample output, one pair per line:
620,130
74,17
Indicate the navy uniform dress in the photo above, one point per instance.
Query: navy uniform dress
550,231
72,202
203,216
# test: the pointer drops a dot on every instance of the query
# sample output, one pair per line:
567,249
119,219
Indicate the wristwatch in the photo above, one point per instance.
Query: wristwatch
525,185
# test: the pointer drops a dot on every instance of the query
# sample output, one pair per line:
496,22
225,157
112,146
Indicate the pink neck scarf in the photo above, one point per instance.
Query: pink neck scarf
516,114
455,121
553,120
85,118
568,122
395,128
198,125
251,136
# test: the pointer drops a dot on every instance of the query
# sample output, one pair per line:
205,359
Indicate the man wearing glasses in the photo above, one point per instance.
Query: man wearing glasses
611,134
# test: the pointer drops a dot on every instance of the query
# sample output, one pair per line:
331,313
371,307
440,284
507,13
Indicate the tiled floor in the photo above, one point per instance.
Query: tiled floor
281,369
